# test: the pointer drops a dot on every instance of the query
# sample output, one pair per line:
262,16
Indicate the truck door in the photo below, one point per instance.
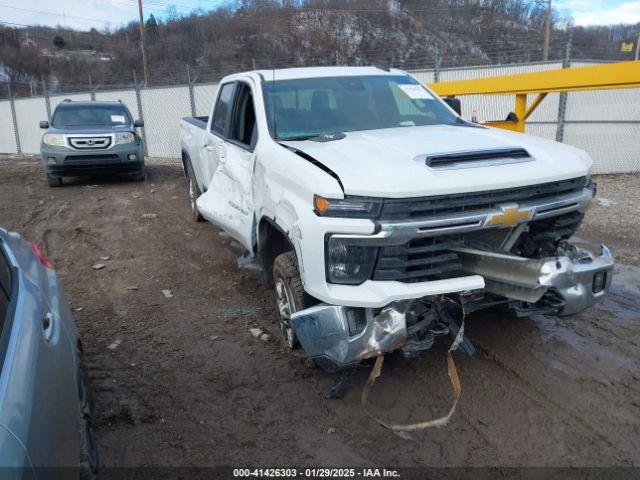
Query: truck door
228,201
213,144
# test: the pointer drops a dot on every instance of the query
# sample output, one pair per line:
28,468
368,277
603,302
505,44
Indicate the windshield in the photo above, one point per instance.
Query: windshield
303,108
86,115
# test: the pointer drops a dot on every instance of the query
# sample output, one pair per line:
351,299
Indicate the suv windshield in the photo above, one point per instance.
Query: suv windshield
70,115
303,108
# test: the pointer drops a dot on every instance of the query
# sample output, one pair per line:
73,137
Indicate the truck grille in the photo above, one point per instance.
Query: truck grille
413,208
424,259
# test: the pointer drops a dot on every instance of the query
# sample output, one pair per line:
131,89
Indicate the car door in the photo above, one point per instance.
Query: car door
214,145
39,401
229,200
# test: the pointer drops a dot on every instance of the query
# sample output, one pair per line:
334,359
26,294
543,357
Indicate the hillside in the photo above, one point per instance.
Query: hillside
264,34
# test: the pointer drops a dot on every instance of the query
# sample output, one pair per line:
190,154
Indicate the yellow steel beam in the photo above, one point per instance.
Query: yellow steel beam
597,77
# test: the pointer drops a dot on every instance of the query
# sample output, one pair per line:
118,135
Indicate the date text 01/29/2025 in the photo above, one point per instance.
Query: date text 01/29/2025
315,473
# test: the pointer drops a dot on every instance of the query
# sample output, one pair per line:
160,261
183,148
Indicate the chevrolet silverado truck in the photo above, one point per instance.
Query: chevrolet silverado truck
380,216
91,139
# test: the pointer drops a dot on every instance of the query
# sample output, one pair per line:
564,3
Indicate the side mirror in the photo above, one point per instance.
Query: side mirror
44,124
454,103
138,123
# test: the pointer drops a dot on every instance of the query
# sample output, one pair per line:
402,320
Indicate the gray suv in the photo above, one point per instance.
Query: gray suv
91,139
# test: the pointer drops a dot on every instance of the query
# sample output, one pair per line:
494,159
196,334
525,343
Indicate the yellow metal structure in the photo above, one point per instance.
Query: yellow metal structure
597,77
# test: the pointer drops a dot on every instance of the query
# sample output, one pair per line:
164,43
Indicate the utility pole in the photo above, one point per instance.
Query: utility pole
547,32
638,46
144,56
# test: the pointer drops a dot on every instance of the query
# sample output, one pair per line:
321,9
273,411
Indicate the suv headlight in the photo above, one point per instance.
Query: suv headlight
348,264
350,207
54,139
124,137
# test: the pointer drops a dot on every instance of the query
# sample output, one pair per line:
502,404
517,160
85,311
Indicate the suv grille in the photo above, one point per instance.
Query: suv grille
89,142
404,209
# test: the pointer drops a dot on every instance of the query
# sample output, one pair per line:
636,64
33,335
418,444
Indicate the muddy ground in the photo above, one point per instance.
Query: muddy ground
190,386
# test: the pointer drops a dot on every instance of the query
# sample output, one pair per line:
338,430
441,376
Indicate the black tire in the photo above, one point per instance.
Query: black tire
141,176
53,181
193,192
88,461
288,285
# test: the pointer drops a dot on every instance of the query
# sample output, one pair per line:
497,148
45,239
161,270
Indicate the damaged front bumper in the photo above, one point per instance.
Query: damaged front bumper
337,337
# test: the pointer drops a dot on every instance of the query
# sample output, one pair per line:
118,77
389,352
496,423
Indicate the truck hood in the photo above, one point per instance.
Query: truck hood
383,163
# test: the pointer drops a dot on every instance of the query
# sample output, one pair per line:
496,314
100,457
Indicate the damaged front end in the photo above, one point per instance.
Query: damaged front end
516,239
338,337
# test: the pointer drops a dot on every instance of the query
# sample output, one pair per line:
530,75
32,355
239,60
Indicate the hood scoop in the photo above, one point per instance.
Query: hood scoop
479,158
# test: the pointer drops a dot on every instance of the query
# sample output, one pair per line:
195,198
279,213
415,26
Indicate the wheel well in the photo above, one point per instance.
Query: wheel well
272,241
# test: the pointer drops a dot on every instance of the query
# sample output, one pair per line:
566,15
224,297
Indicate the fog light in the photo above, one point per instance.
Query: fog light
599,281
131,156
51,160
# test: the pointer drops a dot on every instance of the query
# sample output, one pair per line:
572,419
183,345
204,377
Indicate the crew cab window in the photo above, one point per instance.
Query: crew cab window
222,112
243,126
5,285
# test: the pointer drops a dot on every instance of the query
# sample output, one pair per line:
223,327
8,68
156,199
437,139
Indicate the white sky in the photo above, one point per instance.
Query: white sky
84,14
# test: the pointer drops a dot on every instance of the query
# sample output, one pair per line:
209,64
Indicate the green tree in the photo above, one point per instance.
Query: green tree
58,41
152,29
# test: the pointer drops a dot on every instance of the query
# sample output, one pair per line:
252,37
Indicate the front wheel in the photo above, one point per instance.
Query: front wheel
54,181
290,294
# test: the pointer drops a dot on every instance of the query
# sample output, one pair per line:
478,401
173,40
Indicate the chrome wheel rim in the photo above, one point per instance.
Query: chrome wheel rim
286,307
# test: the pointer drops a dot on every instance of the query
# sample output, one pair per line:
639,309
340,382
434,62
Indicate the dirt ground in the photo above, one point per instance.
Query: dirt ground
190,386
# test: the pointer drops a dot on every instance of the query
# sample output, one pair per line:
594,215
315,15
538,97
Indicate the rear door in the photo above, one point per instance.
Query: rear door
39,400
213,145
229,200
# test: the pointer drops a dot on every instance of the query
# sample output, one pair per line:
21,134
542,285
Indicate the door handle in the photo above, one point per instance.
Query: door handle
208,148
47,326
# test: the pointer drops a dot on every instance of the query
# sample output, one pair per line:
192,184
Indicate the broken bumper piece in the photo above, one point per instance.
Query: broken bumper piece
337,337
580,282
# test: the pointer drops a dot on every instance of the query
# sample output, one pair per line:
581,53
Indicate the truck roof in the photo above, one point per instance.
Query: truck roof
315,72
84,103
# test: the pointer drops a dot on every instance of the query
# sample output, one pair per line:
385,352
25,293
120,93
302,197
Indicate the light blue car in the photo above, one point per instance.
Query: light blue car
45,403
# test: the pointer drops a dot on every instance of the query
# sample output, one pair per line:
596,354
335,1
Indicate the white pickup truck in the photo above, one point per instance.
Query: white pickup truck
380,216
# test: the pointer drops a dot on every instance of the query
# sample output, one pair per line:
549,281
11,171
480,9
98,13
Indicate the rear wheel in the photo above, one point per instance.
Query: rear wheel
193,192
88,461
54,181
290,294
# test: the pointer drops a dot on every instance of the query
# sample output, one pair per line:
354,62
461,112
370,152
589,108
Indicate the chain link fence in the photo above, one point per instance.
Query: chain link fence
604,123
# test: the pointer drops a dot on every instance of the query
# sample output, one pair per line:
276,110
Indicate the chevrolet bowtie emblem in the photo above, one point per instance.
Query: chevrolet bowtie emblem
509,216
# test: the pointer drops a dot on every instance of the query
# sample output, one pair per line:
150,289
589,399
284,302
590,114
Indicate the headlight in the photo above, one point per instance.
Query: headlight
54,139
348,264
351,207
124,137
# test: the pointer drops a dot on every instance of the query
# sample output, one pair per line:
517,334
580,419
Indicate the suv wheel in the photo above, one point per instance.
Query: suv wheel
54,181
193,192
290,294
141,176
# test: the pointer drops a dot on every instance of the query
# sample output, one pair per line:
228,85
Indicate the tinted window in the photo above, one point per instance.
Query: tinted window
311,106
243,129
5,285
222,114
70,115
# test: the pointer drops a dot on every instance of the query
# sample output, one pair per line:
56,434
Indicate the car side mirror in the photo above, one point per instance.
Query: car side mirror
44,124
138,123
454,103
